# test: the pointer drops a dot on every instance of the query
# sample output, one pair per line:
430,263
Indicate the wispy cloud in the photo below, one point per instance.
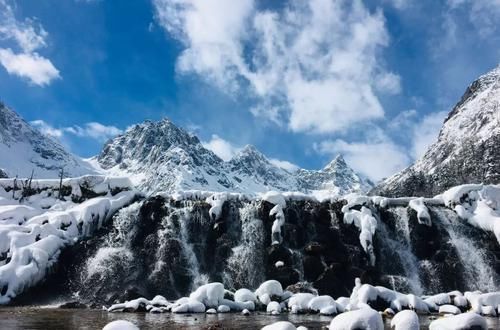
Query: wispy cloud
376,157
91,130
313,65
222,148
28,36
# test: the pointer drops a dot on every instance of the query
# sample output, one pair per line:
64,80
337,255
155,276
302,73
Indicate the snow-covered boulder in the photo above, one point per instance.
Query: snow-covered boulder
319,303
405,320
281,325
243,295
449,309
423,215
460,322
364,318
120,325
209,294
299,302
273,307
267,290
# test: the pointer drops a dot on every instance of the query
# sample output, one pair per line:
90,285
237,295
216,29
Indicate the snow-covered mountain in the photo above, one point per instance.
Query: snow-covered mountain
336,175
160,156
467,149
24,149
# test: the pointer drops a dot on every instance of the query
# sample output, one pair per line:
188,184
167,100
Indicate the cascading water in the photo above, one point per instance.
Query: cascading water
474,258
397,259
245,265
167,247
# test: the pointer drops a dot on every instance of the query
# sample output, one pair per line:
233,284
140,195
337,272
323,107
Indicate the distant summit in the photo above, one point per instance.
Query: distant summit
160,156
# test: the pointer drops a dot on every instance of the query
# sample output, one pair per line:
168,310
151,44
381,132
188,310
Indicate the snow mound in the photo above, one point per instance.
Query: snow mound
281,325
459,322
405,320
364,318
423,215
268,290
120,325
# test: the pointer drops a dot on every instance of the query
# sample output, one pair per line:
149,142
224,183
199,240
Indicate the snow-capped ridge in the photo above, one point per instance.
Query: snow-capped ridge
25,150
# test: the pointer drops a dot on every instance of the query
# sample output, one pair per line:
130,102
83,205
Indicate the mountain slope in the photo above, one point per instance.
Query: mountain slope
159,156
24,149
467,149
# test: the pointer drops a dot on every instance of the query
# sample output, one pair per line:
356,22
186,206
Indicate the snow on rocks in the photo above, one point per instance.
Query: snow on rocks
449,309
277,211
363,220
323,303
210,294
244,295
281,325
299,302
405,320
268,290
120,325
273,307
31,244
464,321
478,204
423,215
363,318
367,293
482,303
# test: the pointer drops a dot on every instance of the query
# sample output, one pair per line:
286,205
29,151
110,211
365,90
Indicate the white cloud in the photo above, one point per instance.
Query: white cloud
94,130
313,65
426,132
483,14
29,36
91,130
38,70
47,129
377,157
286,165
222,148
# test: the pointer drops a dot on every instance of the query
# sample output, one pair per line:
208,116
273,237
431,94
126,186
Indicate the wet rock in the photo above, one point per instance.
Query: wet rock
302,287
73,305
314,248
313,268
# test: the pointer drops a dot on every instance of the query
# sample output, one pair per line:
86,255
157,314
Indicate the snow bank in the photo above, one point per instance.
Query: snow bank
364,318
405,320
461,321
31,237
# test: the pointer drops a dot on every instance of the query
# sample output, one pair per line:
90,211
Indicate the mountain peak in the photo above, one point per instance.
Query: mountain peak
466,150
337,162
29,150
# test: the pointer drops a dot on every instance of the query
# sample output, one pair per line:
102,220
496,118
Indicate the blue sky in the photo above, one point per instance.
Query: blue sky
302,81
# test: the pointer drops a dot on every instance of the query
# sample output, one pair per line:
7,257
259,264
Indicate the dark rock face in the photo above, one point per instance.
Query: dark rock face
160,246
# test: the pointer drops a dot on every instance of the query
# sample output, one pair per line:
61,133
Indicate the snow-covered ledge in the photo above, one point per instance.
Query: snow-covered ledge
36,226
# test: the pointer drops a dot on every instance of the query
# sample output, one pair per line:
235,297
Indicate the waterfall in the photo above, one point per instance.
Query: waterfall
398,260
478,273
246,264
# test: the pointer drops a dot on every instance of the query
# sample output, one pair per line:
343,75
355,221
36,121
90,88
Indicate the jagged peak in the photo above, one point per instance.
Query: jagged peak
337,162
